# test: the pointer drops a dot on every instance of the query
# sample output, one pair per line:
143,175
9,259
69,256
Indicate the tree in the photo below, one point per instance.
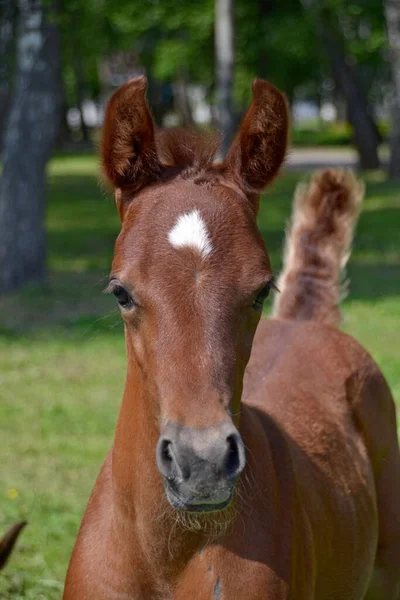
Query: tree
277,43
366,136
173,41
81,51
28,141
224,63
392,12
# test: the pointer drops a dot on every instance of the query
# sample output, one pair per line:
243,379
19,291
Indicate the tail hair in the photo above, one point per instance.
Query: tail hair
8,541
318,243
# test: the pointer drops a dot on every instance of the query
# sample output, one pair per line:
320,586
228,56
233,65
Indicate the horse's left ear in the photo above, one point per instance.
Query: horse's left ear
259,148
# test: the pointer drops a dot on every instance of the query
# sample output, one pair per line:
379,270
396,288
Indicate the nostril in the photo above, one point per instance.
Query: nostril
165,450
165,459
232,464
168,461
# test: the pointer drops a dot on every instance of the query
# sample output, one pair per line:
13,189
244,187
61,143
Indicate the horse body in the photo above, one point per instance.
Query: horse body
315,512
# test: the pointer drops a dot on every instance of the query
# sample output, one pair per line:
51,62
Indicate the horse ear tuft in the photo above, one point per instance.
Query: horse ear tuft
128,149
259,148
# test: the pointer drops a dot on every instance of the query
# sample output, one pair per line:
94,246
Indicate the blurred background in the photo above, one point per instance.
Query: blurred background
62,358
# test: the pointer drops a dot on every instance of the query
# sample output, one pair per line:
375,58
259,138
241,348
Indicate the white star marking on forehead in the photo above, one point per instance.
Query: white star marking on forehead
190,230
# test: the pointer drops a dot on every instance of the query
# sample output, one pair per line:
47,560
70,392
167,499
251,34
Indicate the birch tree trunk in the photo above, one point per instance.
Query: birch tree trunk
224,62
31,132
392,13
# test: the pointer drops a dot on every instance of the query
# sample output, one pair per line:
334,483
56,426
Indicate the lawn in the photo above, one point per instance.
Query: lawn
62,358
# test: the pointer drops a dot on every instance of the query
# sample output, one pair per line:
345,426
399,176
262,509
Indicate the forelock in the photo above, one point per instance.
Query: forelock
188,149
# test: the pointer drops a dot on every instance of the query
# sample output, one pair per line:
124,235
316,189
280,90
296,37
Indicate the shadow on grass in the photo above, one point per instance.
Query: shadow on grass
379,232
71,304
85,249
371,281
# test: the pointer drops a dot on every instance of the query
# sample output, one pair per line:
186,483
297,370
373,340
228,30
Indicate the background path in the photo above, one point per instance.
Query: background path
315,158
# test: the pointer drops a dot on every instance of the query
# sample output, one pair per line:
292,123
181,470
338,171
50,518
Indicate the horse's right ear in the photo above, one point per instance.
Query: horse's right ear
128,151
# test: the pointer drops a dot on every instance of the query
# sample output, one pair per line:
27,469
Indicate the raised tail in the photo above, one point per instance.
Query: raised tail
318,242
8,541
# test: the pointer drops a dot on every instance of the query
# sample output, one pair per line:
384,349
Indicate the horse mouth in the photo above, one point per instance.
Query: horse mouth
195,505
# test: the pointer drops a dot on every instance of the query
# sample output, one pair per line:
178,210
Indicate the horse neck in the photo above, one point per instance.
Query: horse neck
137,485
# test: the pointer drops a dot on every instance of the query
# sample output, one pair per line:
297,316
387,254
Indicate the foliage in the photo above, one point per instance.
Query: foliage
360,26
168,37
63,358
174,38
84,38
275,40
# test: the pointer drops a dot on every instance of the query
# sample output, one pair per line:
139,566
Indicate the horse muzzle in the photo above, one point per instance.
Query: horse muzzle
200,467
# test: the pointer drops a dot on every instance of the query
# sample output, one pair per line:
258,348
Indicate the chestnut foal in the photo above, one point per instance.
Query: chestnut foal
280,483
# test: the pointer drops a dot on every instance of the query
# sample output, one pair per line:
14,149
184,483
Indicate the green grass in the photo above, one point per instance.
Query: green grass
318,133
63,363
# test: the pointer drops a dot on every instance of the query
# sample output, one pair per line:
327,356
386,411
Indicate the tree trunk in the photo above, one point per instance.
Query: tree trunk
224,60
80,97
29,138
79,73
366,138
392,12
181,100
7,23
161,98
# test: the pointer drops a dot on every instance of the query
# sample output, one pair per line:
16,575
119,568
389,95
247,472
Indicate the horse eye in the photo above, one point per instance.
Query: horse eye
123,298
262,296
